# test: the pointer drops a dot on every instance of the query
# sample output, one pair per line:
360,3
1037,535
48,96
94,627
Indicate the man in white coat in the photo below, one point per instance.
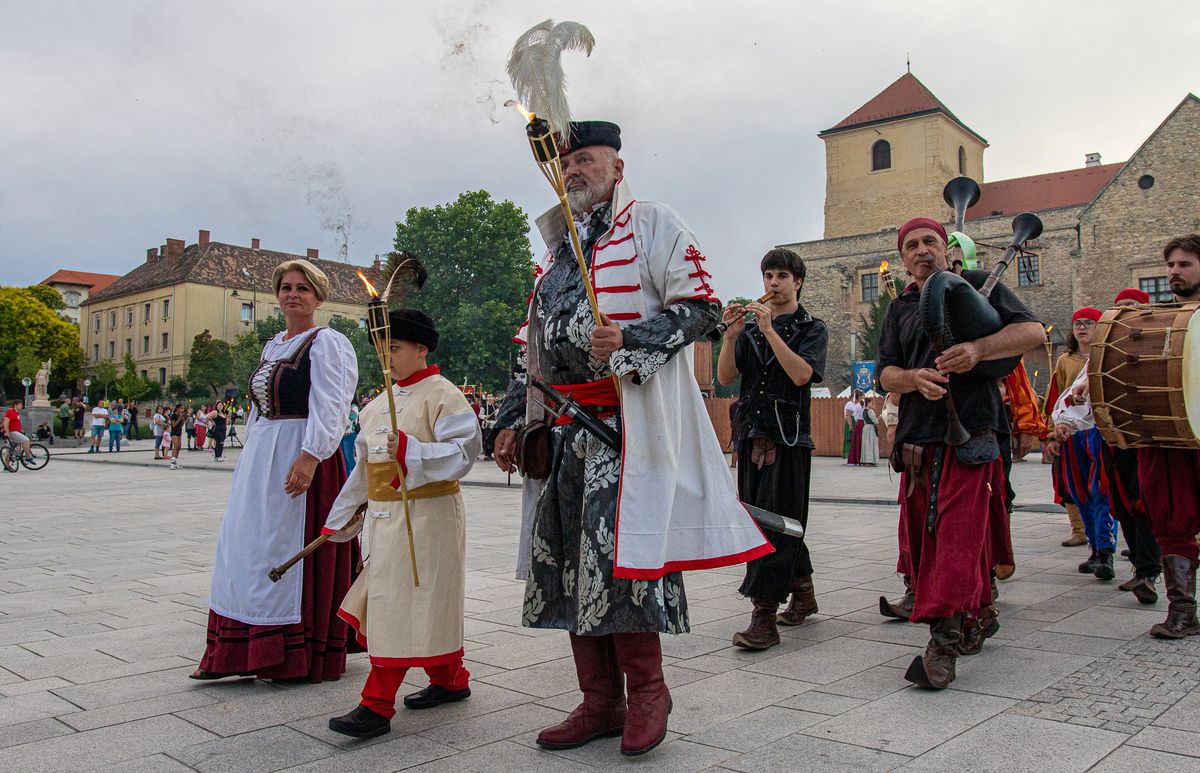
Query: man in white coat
606,536
402,625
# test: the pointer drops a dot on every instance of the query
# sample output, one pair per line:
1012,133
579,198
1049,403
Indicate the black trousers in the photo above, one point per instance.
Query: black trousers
1124,497
782,488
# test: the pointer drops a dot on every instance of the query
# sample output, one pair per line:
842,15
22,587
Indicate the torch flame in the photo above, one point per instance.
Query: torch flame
520,109
1049,329
883,267
370,287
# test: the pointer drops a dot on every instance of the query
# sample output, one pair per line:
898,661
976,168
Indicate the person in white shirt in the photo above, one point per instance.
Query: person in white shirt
99,424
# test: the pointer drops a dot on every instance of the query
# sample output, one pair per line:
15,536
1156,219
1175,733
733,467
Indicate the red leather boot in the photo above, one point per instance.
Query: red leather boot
640,658
602,713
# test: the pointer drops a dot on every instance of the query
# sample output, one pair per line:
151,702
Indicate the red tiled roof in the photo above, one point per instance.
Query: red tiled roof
1042,191
905,97
96,282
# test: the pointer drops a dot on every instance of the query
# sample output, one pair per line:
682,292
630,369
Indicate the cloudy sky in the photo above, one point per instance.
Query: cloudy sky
125,123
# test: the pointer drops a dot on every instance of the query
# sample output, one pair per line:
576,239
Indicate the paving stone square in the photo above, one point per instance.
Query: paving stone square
104,577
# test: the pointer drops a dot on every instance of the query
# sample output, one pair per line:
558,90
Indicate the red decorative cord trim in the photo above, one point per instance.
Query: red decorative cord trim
619,289
609,264
611,242
694,255
618,316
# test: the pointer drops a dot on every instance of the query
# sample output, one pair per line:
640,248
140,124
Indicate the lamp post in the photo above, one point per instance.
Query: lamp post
25,382
87,382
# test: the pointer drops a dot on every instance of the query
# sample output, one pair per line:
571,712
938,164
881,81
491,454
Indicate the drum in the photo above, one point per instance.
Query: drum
1144,376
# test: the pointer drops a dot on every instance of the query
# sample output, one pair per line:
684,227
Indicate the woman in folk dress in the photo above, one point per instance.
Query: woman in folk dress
283,486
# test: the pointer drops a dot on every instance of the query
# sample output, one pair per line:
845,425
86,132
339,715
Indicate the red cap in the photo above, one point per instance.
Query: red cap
1087,312
919,222
1132,294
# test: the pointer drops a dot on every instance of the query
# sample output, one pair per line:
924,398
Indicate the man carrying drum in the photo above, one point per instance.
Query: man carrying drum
1170,477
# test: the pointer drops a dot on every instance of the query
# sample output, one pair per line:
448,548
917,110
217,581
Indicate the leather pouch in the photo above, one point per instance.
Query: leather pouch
982,448
533,450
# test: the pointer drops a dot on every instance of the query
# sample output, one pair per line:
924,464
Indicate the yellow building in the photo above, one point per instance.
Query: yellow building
154,312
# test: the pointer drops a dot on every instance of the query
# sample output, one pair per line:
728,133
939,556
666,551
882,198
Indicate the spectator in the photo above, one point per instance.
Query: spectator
159,424
12,425
116,426
99,424
218,419
177,421
200,426
189,426
64,419
80,409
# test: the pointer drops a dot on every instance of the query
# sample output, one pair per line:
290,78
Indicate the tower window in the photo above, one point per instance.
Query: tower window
881,155
962,160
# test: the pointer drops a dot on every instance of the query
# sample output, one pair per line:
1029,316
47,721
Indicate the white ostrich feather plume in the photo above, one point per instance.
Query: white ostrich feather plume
535,68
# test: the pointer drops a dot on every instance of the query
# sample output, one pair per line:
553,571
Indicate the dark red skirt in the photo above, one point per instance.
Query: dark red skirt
315,648
855,454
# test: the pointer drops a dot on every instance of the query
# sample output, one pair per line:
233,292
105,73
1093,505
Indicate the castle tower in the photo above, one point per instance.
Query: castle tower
889,160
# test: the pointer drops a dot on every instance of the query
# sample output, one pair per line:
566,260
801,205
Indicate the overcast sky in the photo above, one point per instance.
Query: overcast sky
124,123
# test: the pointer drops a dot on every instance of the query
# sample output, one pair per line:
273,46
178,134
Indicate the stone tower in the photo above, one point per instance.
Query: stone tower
889,160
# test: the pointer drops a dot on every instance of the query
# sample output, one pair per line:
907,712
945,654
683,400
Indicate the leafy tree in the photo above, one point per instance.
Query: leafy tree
480,266
177,387
721,390
369,373
30,324
210,364
104,376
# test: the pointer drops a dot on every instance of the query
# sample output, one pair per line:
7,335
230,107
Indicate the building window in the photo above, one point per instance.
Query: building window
881,155
145,312
164,342
870,286
362,322
162,376
247,313
97,323
71,298
145,344
962,160
166,308
112,349
275,311
95,352
1158,288
144,374
112,320
1029,271
129,346
128,316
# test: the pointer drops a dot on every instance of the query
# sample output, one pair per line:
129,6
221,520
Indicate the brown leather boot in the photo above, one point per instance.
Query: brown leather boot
762,632
1179,575
935,669
802,604
640,658
602,713
901,609
1078,535
977,629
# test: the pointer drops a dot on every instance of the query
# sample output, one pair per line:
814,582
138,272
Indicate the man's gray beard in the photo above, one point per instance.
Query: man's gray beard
583,199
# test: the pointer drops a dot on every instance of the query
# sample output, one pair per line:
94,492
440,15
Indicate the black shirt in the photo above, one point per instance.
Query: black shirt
770,404
903,343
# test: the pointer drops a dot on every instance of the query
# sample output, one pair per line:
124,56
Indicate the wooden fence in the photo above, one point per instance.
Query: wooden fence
826,424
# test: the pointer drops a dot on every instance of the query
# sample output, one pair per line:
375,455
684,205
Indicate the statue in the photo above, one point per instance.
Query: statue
40,397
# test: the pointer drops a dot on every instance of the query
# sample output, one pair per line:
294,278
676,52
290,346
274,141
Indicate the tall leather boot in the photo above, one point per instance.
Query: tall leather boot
935,669
639,656
802,603
902,608
762,632
1078,535
1179,575
602,712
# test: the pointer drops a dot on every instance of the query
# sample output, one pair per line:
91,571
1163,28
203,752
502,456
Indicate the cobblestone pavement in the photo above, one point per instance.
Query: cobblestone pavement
104,572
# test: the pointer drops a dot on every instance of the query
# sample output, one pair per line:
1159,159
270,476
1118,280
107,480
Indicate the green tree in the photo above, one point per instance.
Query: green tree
177,387
480,266
369,373
210,365
30,323
870,325
104,376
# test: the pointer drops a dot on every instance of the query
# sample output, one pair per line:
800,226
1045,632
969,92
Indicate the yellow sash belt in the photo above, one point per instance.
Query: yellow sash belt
379,485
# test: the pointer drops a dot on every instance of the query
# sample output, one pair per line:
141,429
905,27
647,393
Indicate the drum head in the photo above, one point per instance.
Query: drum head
1191,373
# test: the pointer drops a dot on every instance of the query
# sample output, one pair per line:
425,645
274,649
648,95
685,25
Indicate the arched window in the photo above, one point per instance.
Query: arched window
881,155
962,160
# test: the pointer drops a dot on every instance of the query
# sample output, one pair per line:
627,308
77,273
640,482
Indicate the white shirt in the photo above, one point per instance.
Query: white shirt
99,416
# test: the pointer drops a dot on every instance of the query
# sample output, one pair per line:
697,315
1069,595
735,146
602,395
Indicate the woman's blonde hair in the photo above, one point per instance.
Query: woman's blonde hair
315,276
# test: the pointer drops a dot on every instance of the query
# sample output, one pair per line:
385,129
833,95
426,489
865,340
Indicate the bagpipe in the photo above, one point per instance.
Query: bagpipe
953,311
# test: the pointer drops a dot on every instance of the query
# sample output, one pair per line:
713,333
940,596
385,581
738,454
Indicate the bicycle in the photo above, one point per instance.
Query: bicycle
13,456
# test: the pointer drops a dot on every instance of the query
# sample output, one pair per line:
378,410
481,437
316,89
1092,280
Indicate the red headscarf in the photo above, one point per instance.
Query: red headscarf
1132,294
919,222
1087,312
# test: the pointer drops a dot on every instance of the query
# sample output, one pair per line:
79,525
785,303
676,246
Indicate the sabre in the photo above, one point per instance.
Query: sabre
611,438
278,572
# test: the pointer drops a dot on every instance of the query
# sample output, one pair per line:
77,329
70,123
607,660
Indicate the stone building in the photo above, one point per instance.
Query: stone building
154,312
76,286
1105,224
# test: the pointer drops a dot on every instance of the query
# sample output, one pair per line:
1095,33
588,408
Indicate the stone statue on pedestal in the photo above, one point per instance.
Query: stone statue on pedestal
40,397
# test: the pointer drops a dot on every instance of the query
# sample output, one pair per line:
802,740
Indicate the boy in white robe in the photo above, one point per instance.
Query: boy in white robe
403,625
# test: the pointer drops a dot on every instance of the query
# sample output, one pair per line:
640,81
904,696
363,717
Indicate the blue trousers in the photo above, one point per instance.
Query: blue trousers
1082,457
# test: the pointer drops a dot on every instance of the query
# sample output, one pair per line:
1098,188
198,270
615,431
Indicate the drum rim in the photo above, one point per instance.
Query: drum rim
1191,374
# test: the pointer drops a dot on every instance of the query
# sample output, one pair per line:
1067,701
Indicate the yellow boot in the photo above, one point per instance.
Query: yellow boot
1078,536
